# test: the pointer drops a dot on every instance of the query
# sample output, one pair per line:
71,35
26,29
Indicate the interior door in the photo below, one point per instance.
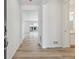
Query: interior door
66,39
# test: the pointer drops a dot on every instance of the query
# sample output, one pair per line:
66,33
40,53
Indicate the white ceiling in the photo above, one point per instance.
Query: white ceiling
28,2
37,2
33,2
30,7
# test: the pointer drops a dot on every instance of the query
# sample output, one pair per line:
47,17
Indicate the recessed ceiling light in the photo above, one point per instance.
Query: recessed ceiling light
30,0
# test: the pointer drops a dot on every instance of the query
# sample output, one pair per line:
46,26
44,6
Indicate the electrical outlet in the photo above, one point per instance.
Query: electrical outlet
55,42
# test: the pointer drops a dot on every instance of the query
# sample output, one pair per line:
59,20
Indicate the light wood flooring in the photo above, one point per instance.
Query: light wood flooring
30,49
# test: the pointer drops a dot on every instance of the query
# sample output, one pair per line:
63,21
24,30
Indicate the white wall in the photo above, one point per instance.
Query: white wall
40,15
13,27
29,15
52,24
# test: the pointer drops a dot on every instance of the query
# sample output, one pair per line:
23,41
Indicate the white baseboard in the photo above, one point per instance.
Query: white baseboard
51,46
17,46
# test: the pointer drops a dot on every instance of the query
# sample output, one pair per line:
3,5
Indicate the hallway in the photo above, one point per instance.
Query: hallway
29,49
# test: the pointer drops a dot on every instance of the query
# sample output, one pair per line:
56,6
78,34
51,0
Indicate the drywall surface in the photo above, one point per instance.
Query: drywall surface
13,27
52,24
30,15
40,12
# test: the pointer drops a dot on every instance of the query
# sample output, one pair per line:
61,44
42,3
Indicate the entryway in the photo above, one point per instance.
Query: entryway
40,28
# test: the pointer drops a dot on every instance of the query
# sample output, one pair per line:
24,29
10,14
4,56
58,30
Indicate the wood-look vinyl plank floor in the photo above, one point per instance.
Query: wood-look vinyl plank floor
30,49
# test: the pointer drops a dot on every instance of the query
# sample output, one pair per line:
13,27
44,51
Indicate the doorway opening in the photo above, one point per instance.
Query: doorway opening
30,23
34,31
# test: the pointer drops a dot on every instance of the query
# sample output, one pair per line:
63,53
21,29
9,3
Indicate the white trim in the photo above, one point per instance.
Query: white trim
17,46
